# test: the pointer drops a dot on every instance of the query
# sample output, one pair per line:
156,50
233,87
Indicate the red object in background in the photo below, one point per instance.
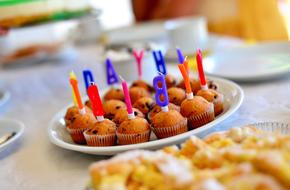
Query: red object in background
95,98
3,31
200,68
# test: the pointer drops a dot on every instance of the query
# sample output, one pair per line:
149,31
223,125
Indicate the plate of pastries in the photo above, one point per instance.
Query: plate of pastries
143,114
248,157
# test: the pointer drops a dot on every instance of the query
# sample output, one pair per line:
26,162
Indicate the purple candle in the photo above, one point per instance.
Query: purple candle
112,77
161,91
180,55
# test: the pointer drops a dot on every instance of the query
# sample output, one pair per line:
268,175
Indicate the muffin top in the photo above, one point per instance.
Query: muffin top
167,119
137,92
114,94
170,81
133,126
142,84
210,95
72,112
157,109
122,115
104,127
195,106
144,104
176,95
82,121
112,106
89,104
194,83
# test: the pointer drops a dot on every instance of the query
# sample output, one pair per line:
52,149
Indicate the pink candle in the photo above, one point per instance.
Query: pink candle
127,97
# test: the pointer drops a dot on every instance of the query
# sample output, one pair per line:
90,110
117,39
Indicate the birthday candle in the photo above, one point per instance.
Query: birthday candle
138,58
111,73
73,76
180,55
160,62
88,77
74,97
74,84
200,69
185,78
95,98
161,91
127,99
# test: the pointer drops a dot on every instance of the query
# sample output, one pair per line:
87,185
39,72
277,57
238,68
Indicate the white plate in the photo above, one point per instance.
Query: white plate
233,96
250,63
9,126
4,97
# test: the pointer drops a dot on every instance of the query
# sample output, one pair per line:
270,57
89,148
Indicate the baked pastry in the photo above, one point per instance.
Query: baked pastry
133,131
78,125
169,123
102,133
145,105
137,93
170,81
122,115
142,84
72,112
239,159
176,95
141,169
198,111
215,97
114,94
156,109
195,85
112,106
89,104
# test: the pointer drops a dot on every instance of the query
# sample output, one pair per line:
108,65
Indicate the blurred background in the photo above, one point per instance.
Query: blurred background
42,31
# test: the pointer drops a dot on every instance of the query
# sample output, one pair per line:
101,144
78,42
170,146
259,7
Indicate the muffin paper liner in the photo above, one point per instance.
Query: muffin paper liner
196,121
100,140
77,135
164,132
124,139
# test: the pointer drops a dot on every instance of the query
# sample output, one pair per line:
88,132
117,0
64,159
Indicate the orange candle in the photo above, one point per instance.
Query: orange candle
74,84
185,77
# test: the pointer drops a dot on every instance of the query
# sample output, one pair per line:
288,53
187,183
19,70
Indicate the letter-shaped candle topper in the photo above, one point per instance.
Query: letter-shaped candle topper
112,77
160,62
139,58
161,92
88,77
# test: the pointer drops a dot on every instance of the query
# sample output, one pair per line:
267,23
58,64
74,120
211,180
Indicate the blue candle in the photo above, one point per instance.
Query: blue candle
88,77
180,55
160,90
160,62
112,77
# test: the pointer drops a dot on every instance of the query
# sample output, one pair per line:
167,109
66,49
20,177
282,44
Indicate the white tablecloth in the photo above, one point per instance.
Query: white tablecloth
39,92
